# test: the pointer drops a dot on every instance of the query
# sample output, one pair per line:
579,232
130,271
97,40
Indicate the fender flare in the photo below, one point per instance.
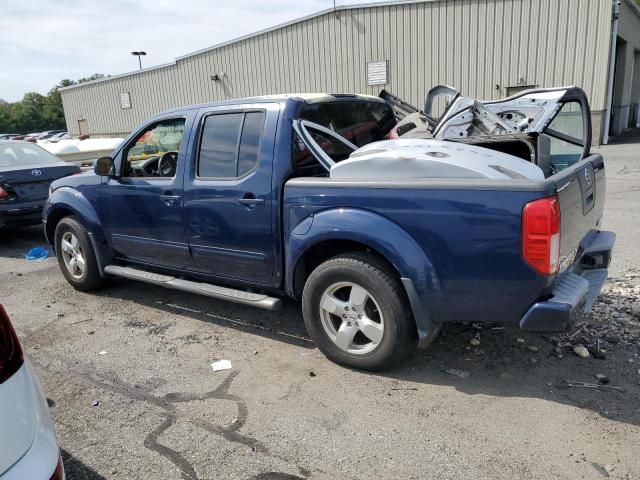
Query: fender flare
69,199
416,271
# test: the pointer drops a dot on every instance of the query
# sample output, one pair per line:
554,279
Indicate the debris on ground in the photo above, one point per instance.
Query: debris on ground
575,384
312,373
614,321
457,373
602,378
581,351
475,342
520,340
221,365
102,352
95,403
532,348
37,253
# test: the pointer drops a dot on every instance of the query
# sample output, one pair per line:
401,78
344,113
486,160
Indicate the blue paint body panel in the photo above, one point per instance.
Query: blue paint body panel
457,244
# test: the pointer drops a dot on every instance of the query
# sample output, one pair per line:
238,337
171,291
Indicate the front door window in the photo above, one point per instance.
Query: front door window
154,153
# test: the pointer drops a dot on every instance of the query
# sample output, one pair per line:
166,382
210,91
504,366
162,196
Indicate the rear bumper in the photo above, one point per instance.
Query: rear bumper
575,291
21,214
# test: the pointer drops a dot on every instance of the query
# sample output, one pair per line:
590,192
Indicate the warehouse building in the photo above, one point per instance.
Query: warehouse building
487,49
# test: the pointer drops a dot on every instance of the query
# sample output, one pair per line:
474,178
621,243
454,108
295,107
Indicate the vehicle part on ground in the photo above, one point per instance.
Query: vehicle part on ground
357,313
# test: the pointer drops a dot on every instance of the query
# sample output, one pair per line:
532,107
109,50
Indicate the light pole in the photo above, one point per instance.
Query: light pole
139,54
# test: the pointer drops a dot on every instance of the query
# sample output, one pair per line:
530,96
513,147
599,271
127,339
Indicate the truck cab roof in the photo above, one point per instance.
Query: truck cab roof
307,98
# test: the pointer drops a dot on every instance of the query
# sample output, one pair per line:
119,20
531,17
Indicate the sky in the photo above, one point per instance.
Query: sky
45,41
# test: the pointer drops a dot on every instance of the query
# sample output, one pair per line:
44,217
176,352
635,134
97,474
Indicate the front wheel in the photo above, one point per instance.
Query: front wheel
75,255
357,313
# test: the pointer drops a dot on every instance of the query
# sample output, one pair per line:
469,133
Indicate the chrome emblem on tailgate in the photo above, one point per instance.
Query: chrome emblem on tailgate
36,172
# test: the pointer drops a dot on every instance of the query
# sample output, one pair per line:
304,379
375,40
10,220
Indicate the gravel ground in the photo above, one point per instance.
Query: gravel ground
127,371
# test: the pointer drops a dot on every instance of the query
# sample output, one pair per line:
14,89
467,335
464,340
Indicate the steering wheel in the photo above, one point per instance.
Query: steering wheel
167,164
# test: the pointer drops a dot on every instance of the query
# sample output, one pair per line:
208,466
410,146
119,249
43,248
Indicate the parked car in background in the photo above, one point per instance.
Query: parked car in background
490,212
56,137
9,136
28,446
26,172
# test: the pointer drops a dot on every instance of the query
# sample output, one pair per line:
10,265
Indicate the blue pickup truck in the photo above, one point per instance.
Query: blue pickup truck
384,219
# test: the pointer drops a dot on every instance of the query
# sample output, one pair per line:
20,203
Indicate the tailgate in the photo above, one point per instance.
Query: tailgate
581,192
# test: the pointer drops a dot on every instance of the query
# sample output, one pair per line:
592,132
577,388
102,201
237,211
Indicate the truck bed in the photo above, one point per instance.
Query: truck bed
468,229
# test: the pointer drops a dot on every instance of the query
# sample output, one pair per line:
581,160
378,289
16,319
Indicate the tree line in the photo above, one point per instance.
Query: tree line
35,112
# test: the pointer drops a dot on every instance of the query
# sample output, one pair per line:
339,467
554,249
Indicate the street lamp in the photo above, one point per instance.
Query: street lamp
139,54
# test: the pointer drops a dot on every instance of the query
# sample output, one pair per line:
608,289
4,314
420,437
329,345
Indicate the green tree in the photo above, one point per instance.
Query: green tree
35,112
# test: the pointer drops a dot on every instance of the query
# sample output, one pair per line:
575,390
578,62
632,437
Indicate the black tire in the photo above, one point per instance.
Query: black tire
90,278
399,335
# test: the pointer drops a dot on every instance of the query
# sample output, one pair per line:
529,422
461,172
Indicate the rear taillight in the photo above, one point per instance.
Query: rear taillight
3,194
59,473
11,358
541,235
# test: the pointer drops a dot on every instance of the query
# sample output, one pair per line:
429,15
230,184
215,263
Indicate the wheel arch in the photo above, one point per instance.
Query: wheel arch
337,231
64,202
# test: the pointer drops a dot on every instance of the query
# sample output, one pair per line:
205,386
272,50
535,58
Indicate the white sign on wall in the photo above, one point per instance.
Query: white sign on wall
125,100
377,73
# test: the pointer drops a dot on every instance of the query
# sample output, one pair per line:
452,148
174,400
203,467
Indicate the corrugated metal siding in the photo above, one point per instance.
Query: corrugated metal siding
472,45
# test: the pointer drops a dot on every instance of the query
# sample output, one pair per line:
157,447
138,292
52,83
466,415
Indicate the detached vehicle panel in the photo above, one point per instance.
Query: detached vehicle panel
362,207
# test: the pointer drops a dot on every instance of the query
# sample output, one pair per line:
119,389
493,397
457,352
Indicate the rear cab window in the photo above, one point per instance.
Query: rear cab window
230,144
359,121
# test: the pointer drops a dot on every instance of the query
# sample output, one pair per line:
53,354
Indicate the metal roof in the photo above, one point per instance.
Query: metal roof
338,8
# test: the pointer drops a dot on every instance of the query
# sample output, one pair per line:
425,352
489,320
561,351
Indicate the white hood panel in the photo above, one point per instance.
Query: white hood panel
425,158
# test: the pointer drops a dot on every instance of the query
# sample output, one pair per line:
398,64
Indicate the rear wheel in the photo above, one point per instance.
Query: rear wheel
75,255
357,313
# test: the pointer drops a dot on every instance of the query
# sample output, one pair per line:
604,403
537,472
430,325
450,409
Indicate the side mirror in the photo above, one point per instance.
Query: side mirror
105,167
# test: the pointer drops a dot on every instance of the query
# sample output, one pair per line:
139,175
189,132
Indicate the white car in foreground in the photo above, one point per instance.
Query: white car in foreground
28,446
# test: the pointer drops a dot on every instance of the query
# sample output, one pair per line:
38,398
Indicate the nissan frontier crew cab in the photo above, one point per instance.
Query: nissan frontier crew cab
384,219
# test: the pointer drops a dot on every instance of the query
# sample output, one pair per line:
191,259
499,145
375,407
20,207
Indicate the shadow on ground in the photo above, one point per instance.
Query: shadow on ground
74,469
285,325
500,366
15,242
629,136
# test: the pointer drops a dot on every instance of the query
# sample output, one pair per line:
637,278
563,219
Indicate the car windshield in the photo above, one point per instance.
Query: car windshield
19,154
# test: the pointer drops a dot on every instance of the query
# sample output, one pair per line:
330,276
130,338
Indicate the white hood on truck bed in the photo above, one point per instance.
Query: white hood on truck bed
426,158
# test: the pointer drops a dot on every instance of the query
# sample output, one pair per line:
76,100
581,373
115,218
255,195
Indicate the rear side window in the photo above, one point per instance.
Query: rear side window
230,144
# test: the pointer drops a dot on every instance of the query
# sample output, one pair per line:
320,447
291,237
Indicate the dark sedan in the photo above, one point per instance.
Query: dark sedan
26,171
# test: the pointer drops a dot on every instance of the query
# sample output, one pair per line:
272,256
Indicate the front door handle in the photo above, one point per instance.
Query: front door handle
170,200
251,202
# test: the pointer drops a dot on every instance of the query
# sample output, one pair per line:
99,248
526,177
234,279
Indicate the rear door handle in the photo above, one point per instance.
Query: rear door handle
251,202
170,200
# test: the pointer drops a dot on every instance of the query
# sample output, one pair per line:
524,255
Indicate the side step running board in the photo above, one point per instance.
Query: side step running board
223,293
